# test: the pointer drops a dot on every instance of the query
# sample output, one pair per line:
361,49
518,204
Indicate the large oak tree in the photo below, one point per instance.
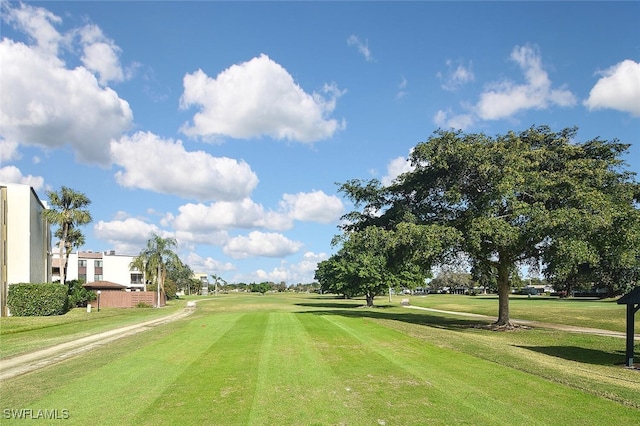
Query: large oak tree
511,199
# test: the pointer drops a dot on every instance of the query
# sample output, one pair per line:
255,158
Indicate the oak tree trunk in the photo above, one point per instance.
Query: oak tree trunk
504,291
369,296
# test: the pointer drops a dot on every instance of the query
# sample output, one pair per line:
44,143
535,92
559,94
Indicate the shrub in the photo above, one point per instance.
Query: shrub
170,289
78,295
143,305
37,299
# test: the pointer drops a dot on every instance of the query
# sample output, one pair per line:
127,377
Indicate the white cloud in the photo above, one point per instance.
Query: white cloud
261,244
313,206
445,120
127,236
401,93
277,275
208,265
164,166
38,23
362,46
46,104
8,151
456,76
618,88
207,219
257,98
226,215
11,174
395,168
100,54
506,98
292,273
213,237
304,270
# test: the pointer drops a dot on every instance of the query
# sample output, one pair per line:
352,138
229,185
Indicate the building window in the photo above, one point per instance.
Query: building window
82,263
136,278
98,277
82,278
97,263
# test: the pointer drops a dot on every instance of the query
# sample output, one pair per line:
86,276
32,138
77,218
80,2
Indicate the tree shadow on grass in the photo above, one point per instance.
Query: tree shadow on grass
383,313
583,355
332,305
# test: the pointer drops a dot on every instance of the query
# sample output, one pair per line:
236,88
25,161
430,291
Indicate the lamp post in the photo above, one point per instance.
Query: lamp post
99,292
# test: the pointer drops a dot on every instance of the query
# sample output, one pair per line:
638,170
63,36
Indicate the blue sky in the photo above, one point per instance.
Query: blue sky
228,124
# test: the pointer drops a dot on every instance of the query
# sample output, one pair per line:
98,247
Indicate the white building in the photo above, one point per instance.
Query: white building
25,239
92,266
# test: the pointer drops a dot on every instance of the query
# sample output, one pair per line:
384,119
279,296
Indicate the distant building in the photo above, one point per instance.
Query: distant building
25,239
204,279
90,266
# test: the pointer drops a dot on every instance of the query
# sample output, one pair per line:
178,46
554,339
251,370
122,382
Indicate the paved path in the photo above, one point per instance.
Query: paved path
22,364
569,328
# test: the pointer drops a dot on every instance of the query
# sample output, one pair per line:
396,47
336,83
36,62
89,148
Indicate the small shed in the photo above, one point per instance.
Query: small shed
632,300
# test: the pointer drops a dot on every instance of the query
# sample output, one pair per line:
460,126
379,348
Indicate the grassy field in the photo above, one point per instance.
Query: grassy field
23,334
605,314
310,359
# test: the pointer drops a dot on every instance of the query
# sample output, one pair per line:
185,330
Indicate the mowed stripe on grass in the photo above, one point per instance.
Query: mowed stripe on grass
114,384
426,384
266,367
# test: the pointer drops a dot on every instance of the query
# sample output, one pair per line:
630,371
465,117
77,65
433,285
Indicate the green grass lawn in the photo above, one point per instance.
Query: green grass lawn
23,334
605,314
309,359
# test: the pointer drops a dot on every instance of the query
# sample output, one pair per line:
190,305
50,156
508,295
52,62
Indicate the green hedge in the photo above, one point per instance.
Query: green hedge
27,300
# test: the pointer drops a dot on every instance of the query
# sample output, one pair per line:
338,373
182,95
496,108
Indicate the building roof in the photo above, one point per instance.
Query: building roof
90,255
630,298
104,285
33,191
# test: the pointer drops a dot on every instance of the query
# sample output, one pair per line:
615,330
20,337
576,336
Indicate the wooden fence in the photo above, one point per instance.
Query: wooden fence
128,299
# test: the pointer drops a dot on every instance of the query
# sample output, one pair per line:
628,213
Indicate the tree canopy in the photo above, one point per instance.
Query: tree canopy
521,198
179,276
373,260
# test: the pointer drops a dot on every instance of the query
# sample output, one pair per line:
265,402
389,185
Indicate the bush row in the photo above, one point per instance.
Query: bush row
25,299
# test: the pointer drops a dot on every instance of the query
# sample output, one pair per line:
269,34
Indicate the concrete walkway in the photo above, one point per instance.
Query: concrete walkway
568,328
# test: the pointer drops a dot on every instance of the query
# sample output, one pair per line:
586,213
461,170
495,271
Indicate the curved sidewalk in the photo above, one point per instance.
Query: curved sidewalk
568,328
22,364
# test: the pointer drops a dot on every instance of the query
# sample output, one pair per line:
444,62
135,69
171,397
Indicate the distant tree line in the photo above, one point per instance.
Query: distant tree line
269,286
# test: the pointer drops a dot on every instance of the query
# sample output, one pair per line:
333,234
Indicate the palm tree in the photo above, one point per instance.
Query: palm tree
75,238
68,210
153,260
139,263
216,280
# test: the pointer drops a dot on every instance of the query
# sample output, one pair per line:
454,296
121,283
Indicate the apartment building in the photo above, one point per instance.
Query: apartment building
91,266
204,279
25,239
